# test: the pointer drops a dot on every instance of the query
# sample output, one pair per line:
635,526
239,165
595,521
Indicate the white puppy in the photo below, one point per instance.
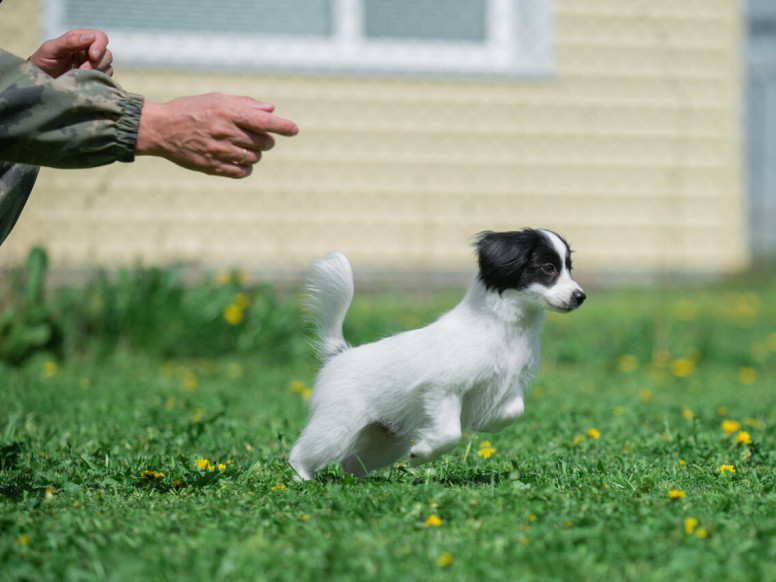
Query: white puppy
416,391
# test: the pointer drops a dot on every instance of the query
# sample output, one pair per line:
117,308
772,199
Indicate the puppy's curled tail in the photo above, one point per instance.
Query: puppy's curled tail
329,293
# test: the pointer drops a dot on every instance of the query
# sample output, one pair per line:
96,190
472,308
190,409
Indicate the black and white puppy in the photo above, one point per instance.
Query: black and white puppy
415,392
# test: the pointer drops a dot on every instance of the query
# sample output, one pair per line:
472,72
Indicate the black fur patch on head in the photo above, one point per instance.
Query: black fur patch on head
515,260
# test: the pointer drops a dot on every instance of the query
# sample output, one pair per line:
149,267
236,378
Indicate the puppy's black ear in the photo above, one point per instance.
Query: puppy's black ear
503,257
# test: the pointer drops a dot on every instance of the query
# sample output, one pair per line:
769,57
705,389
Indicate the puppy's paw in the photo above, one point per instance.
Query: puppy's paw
419,454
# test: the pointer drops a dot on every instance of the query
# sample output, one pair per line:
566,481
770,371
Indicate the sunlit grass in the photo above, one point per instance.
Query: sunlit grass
647,452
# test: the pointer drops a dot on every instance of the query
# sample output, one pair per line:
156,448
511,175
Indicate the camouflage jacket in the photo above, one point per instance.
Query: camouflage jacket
79,120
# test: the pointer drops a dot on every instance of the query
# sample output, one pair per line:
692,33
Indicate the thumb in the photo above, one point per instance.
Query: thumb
75,40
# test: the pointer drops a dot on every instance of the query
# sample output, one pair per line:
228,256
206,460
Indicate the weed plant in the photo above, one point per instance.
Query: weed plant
154,447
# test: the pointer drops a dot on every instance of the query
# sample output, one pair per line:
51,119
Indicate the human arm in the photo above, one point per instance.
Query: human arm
79,120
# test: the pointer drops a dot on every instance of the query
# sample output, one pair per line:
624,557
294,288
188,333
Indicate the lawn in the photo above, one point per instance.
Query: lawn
646,453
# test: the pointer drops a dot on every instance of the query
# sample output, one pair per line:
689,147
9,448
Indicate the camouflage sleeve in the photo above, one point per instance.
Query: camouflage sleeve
16,182
79,120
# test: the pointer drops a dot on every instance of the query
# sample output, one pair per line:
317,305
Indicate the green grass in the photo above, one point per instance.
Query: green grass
551,503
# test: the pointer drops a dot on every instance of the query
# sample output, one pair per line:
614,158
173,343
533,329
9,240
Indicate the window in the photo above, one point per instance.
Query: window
496,38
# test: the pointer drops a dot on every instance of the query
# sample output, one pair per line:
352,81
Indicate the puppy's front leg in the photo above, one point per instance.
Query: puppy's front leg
510,412
442,433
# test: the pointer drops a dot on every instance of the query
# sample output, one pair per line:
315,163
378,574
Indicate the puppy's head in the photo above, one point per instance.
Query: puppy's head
534,264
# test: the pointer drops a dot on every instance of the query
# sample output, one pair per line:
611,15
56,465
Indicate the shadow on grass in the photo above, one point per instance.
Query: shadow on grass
449,477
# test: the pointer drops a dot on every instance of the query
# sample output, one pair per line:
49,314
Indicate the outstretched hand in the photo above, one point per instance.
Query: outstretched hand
77,49
217,134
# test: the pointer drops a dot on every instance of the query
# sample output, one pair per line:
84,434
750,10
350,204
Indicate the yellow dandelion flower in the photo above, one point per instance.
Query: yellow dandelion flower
682,367
190,382
202,463
179,484
49,494
701,533
232,314
445,560
743,438
221,466
242,276
241,300
485,450
744,306
676,494
593,434
222,277
297,386
753,423
578,439
50,369
151,475
681,462
278,487
432,521
524,541
306,394
645,395
304,517
687,413
24,540
730,426
689,525
747,375
532,517
727,468
627,364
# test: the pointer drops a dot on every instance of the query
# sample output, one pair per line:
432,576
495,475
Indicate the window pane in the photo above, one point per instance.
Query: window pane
425,19
255,17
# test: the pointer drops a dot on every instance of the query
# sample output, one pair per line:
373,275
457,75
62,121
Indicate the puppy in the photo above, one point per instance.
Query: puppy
416,392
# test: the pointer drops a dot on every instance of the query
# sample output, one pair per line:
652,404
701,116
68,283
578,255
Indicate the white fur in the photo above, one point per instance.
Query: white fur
416,392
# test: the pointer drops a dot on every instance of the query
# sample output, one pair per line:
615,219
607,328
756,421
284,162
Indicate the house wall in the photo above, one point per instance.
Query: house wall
631,150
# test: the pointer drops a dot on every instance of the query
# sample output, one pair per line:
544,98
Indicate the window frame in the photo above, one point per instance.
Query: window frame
519,44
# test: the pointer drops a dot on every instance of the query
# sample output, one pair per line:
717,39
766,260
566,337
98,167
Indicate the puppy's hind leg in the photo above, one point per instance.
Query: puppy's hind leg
321,442
377,447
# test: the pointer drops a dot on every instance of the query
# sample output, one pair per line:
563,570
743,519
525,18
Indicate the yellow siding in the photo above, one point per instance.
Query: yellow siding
19,26
631,150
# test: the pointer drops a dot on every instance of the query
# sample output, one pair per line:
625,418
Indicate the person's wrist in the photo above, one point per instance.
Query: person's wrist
148,142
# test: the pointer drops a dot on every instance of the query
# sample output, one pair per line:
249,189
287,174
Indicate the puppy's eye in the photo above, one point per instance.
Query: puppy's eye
549,268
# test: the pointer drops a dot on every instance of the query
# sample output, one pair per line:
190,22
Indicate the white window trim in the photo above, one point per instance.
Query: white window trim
519,45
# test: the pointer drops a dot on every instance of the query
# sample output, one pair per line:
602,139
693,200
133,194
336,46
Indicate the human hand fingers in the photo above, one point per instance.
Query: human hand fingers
79,48
104,63
89,45
257,117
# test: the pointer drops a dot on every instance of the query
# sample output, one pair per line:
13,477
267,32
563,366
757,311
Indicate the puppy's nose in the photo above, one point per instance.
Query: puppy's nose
579,297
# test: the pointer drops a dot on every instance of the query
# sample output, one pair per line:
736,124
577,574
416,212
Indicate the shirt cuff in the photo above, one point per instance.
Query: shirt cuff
129,122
